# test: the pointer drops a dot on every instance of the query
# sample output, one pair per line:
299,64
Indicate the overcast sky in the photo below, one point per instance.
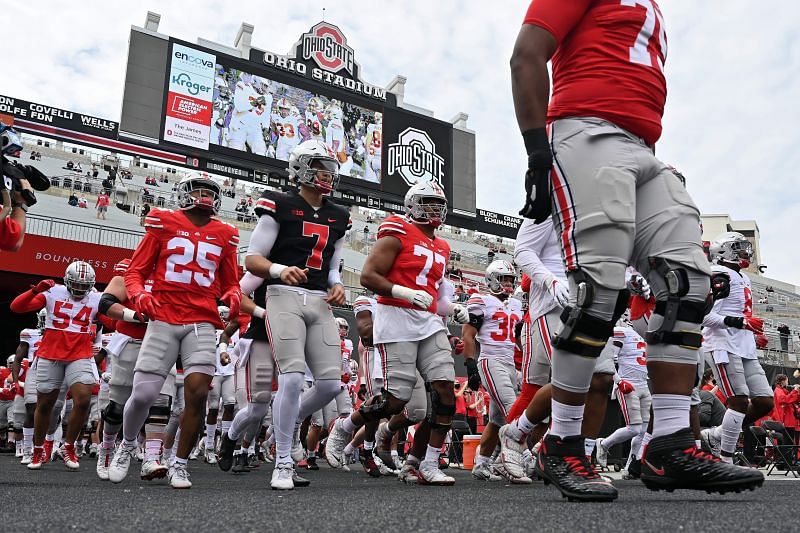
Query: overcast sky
733,73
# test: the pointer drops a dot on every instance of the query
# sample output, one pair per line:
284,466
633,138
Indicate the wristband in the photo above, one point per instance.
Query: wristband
129,315
535,139
223,347
275,270
259,312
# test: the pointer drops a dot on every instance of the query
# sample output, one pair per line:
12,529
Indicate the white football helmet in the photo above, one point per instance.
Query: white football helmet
378,118
344,327
41,317
304,155
314,104
497,277
426,203
79,279
199,181
731,247
522,296
353,367
224,312
625,320
284,105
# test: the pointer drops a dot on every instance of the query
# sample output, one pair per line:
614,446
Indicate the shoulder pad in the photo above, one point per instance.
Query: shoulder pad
393,226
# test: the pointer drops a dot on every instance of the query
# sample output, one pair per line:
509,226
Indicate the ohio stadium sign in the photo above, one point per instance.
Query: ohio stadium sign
323,55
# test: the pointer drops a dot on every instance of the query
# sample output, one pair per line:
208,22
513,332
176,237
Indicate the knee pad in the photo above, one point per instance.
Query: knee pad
439,409
377,408
158,414
112,414
681,296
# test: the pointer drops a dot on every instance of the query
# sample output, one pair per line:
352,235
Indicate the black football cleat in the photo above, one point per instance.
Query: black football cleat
312,463
635,469
563,463
674,462
240,464
226,449
300,481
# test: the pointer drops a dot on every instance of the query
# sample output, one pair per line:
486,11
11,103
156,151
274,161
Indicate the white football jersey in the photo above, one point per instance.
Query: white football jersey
538,254
32,337
347,354
365,303
496,334
738,303
373,140
288,130
632,356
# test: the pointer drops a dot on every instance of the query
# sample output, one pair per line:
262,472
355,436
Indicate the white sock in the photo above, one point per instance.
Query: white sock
731,427
412,459
152,450
480,459
27,438
211,431
225,425
432,454
670,413
567,419
50,437
588,446
645,441
698,444
348,450
525,425
368,445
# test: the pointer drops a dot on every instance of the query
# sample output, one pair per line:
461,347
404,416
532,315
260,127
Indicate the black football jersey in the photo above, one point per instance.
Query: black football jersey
258,329
307,236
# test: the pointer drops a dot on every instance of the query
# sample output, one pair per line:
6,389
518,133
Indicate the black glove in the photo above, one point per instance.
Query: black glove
473,377
720,285
538,188
734,322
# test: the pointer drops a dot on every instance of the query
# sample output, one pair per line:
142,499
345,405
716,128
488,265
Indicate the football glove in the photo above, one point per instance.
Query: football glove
624,387
559,291
146,304
537,178
473,376
638,285
43,286
460,314
233,299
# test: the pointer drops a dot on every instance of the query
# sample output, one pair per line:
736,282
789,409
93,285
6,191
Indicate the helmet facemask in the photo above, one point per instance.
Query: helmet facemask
321,173
430,210
200,193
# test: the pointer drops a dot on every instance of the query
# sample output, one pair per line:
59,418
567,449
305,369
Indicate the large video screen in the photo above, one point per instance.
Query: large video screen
264,117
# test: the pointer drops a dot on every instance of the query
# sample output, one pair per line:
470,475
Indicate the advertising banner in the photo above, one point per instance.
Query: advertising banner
189,97
15,108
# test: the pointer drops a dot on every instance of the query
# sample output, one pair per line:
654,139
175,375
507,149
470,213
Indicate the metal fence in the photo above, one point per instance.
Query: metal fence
61,228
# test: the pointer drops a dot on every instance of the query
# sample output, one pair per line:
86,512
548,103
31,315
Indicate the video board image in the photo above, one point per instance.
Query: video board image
264,117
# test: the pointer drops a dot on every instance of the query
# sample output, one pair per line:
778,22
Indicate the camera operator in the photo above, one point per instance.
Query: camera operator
16,189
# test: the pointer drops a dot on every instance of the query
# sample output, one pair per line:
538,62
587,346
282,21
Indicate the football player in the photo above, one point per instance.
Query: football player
406,269
296,247
23,371
286,128
630,389
251,116
65,353
192,259
492,321
729,344
591,160
222,385
372,147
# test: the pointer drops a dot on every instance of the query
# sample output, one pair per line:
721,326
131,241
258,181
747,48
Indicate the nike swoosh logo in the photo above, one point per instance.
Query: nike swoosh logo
657,471
331,220
210,238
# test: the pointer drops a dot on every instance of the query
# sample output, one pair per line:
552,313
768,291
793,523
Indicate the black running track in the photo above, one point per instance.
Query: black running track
54,499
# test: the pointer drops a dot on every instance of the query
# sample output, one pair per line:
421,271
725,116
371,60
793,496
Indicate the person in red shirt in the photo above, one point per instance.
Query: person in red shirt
64,354
786,401
191,257
711,386
102,205
592,164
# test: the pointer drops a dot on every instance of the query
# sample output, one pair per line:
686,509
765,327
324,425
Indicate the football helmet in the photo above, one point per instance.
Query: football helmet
314,104
522,296
79,279
294,112
284,105
304,155
10,360
378,118
497,274
41,317
353,367
10,143
625,320
426,203
344,327
199,181
224,312
731,247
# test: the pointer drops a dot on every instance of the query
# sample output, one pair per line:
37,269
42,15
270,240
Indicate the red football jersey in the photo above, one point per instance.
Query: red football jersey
420,264
190,266
609,62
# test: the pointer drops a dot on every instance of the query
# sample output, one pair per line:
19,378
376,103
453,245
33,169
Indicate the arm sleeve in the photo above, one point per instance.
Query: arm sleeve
444,302
28,302
141,265
264,236
556,16
249,283
529,239
334,276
